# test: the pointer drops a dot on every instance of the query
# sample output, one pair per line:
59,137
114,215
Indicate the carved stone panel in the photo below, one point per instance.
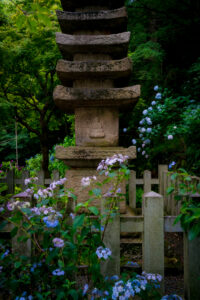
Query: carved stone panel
96,126
74,177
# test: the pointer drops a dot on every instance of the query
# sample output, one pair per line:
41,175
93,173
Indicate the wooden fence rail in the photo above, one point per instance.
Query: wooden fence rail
171,207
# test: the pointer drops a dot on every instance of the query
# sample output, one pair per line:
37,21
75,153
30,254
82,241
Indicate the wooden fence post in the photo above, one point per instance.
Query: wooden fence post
56,175
111,240
25,174
153,236
10,181
147,181
40,175
192,266
162,184
132,189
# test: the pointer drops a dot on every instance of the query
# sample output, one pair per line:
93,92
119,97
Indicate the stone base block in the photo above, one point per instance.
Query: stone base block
74,177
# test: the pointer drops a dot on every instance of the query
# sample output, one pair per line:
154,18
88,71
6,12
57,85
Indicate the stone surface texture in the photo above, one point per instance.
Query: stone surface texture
74,181
70,98
109,69
114,44
94,74
115,20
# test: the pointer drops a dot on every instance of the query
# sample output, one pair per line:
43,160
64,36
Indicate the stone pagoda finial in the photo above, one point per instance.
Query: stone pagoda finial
94,73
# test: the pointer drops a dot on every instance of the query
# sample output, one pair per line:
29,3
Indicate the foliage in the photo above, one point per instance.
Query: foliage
27,73
33,164
186,189
168,131
61,242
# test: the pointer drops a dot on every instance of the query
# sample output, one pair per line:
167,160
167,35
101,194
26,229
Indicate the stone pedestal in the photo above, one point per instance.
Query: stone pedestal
94,45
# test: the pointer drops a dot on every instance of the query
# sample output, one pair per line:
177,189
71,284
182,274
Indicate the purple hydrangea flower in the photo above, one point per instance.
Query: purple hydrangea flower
59,243
58,272
158,96
50,222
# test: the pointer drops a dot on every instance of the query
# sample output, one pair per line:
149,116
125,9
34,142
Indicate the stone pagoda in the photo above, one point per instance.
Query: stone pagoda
94,74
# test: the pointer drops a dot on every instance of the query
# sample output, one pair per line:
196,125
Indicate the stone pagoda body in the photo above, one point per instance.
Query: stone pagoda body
94,74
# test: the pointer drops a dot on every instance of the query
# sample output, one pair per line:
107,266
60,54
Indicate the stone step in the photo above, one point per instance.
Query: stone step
100,69
113,21
68,99
114,44
72,5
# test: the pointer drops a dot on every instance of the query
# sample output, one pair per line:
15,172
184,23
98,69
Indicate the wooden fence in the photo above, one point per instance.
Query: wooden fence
163,181
152,224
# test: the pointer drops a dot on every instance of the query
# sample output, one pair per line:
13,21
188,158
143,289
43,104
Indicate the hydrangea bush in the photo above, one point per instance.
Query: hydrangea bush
64,242
168,131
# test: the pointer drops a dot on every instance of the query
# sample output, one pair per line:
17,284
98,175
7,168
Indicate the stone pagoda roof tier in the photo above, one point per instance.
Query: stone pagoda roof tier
114,44
90,156
114,21
68,99
72,5
99,69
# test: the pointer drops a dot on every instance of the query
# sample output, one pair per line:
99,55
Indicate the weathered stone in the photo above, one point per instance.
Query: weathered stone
74,177
114,44
72,5
106,69
90,156
114,21
70,98
96,126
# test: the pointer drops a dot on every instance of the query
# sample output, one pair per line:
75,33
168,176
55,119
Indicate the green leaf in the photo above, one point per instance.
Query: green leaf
170,190
61,263
96,192
174,176
14,232
17,264
74,294
3,224
194,232
94,210
78,221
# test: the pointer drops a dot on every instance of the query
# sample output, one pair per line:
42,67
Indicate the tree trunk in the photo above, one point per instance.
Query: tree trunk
45,159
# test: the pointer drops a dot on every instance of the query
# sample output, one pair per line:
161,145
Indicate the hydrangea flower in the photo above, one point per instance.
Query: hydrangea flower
124,129
85,289
5,254
72,216
147,141
145,112
150,108
149,122
143,152
51,221
30,180
1,209
172,164
110,161
170,137
142,129
134,142
103,252
142,122
149,130
85,181
139,149
156,87
171,297
59,243
153,102
158,96
58,272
